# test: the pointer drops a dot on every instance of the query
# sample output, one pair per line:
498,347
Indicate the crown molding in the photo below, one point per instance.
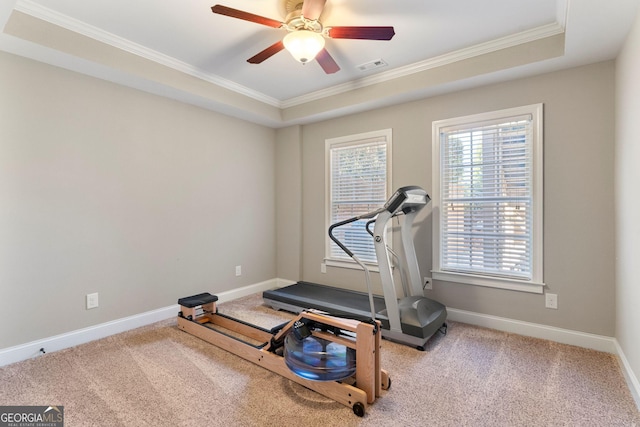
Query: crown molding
38,11
534,34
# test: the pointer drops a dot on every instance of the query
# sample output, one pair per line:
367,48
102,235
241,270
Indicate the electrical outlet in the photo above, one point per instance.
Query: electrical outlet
427,283
551,301
92,301
238,270
323,267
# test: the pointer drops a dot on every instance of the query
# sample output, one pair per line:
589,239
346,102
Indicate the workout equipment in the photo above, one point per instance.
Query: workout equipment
410,320
338,358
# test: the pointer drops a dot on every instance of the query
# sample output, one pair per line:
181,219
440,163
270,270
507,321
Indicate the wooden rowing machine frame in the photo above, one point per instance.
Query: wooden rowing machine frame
199,316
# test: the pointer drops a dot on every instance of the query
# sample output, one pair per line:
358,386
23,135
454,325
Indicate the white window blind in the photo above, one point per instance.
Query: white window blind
487,206
358,175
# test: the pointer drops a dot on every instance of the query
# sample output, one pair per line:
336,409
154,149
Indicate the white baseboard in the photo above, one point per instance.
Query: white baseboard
247,290
80,336
281,283
565,336
629,375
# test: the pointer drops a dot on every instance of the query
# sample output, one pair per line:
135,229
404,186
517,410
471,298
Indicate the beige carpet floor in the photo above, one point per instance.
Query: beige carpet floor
160,376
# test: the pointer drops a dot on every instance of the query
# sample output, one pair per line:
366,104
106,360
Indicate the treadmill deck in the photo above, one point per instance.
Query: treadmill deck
337,302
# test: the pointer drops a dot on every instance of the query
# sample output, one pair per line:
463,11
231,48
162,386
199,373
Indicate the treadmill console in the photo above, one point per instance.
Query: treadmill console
407,199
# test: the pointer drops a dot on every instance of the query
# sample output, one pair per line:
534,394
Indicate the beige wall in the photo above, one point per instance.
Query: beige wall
289,203
111,190
627,190
579,214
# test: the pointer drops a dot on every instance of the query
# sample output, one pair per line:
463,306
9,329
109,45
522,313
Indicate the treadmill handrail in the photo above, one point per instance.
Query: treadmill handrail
335,239
349,221
372,221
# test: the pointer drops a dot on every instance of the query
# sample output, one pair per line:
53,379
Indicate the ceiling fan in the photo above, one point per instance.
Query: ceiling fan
306,36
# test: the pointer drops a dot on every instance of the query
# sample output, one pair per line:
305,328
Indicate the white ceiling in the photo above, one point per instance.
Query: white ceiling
182,50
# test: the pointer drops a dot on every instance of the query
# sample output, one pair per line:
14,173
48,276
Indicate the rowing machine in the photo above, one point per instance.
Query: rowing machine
279,349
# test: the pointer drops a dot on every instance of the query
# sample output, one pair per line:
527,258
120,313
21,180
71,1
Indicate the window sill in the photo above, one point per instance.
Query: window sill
350,264
491,282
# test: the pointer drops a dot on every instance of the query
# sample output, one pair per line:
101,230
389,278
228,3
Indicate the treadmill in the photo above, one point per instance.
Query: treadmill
412,319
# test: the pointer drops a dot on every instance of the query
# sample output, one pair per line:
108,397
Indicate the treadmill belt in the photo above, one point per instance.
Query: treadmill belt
338,302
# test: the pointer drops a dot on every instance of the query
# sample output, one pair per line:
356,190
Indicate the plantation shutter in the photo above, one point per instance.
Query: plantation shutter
358,175
486,191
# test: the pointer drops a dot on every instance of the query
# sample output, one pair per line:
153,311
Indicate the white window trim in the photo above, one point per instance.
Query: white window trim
536,285
385,134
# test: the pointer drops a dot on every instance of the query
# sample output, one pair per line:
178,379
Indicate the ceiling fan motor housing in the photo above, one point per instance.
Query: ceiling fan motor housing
295,21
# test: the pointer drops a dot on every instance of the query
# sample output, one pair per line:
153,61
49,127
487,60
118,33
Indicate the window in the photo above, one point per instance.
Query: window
487,201
358,176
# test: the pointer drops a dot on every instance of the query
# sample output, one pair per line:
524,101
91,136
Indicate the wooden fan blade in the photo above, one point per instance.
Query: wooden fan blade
267,53
311,9
327,62
363,33
235,13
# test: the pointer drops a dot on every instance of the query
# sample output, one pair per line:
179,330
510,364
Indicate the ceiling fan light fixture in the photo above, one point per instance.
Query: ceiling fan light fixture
303,45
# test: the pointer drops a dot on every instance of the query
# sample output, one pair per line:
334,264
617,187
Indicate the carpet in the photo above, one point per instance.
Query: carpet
160,376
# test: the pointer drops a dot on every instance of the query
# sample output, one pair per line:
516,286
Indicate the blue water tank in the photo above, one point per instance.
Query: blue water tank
317,359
